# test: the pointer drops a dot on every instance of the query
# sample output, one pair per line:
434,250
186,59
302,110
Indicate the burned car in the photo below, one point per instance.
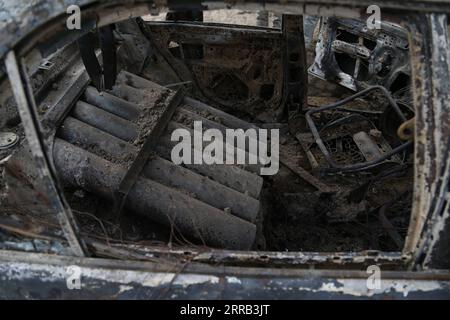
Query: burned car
143,144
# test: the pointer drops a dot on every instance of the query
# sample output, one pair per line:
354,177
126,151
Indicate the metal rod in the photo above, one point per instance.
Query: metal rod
112,104
54,116
389,227
105,121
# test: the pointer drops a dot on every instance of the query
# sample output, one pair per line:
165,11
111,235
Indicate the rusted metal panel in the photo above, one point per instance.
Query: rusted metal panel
238,67
431,74
45,277
295,78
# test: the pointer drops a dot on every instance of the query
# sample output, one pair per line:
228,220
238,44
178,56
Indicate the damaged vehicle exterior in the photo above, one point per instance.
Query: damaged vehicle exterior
88,187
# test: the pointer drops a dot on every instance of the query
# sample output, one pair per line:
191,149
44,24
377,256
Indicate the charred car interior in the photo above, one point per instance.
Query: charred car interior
361,115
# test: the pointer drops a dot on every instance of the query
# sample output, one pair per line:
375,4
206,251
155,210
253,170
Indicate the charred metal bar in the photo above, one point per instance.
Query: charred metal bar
108,47
86,45
23,94
165,205
357,50
105,121
112,104
389,227
102,77
295,80
178,84
59,111
161,170
303,173
152,139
